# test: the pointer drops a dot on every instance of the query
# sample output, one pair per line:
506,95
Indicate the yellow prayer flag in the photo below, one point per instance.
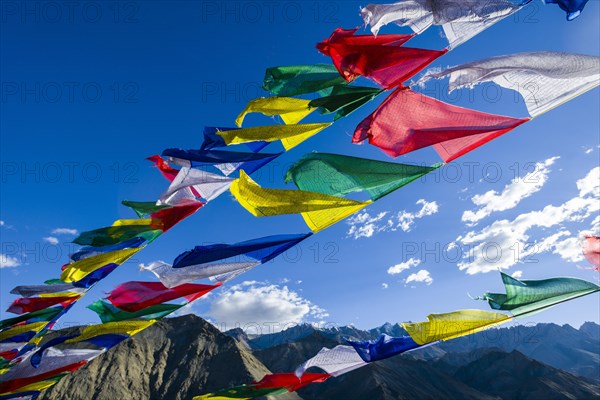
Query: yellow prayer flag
290,135
124,222
290,109
17,330
37,386
318,210
80,269
126,328
452,325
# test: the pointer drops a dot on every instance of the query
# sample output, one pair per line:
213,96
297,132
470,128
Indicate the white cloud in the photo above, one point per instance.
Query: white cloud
511,196
517,274
365,225
588,151
421,276
569,249
254,303
7,261
1,223
51,239
398,268
385,286
505,243
65,231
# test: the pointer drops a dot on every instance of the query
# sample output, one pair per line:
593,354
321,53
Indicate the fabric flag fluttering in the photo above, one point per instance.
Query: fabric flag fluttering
289,135
337,361
523,297
591,250
135,296
544,79
109,313
36,290
344,99
407,121
225,161
47,314
318,210
572,7
191,182
338,175
80,269
24,305
460,20
384,347
380,59
301,79
291,110
144,208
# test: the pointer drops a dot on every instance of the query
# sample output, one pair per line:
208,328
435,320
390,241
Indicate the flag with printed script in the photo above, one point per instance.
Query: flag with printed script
30,304
225,161
78,270
289,135
453,325
54,363
460,19
135,296
221,271
318,210
109,313
381,59
384,347
544,79
526,296
191,182
572,7
338,175
591,250
407,121
337,361
344,99
291,110
301,79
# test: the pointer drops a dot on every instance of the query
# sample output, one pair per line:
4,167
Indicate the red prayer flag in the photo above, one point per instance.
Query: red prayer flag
379,58
407,121
135,296
591,250
29,304
167,218
12,385
289,381
168,172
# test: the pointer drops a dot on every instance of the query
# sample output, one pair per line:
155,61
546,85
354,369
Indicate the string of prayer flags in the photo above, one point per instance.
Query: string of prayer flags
78,270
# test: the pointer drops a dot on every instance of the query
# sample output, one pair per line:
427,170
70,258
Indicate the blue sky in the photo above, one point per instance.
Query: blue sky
89,91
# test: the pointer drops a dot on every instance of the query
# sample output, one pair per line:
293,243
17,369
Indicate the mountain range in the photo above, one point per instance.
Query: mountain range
178,358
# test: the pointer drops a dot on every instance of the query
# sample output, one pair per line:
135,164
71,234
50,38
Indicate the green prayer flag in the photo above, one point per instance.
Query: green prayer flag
523,297
338,175
112,234
143,208
345,99
301,79
47,314
109,313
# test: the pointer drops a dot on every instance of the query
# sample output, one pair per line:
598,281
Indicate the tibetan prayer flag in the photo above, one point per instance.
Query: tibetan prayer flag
338,175
169,217
384,347
226,161
213,140
289,135
36,290
168,172
336,361
407,121
31,391
262,250
318,210
300,79
527,296
109,313
290,381
136,242
114,234
591,250
544,79
45,315
135,296
172,277
572,7
80,269
344,99
144,208
290,109
30,304
21,333
453,325
460,20
124,328
387,64
204,184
